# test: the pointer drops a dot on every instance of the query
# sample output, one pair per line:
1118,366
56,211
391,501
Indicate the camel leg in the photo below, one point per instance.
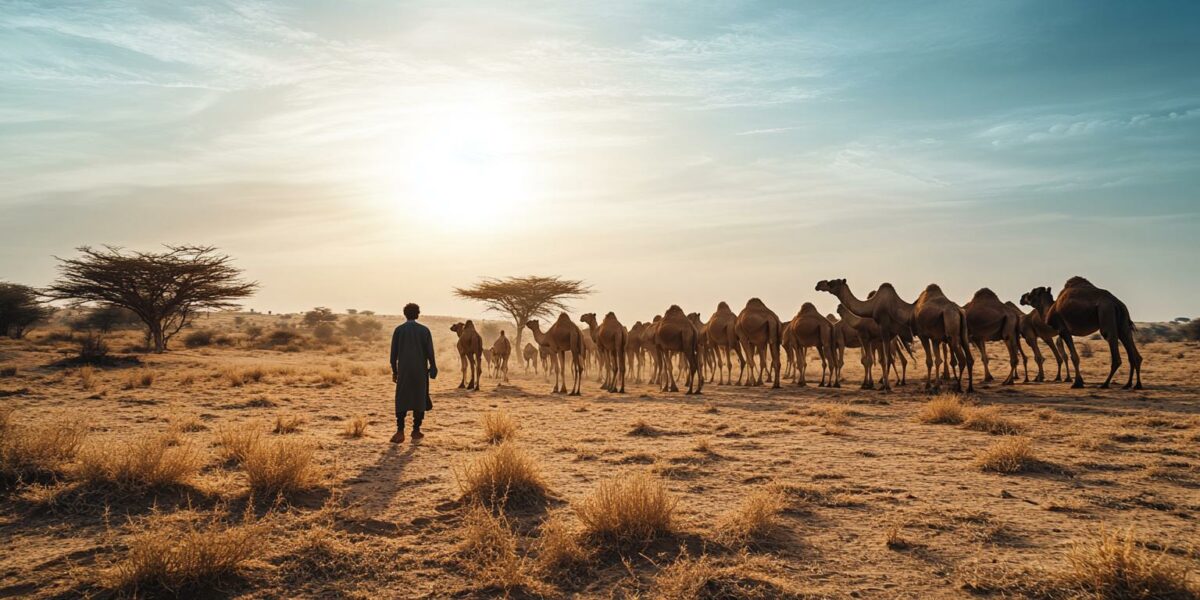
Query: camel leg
929,363
1069,342
1013,346
1135,359
1066,355
866,359
575,390
987,371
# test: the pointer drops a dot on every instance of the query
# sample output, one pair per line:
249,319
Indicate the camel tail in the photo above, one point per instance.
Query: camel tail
1123,316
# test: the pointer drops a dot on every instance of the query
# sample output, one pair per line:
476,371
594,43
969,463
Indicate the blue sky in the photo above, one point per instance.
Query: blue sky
364,154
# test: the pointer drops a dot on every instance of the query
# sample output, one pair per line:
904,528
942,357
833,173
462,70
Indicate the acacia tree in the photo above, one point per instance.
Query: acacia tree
525,298
164,289
20,309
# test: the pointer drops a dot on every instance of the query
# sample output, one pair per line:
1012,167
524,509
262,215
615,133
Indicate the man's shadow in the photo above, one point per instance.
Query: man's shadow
373,488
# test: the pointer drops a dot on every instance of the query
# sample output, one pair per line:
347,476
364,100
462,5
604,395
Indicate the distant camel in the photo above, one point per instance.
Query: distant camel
592,346
938,320
758,329
1034,328
530,355
1083,309
611,339
675,333
721,332
501,351
893,315
470,353
810,328
989,320
634,357
651,348
701,339
562,337
490,361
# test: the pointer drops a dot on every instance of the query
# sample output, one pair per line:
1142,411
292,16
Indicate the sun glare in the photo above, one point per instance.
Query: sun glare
464,168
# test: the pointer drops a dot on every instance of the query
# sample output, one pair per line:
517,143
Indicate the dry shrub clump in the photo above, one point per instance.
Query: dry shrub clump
183,551
1112,565
87,377
559,550
235,442
989,420
37,451
631,507
755,518
1010,455
138,378
503,475
498,427
644,429
152,462
704,579
239,376
356,428
490,552
943,409
282,466
288,424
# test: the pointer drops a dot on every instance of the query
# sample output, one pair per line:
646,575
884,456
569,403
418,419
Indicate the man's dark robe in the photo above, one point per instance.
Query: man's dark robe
412,360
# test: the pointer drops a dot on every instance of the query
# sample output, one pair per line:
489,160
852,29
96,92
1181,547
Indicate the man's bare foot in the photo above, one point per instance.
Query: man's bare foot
398,437
416,435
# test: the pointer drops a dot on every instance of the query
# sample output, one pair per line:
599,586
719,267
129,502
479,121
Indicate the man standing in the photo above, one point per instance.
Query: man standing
413,365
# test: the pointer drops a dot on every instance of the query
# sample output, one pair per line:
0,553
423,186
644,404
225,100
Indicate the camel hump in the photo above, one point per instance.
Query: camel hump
808,309
755,303
674,311
933,288
986,293
564,317
887,286
722,305
610,315
1078,281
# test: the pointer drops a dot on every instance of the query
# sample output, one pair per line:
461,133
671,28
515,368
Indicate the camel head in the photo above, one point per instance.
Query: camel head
533,325
457,328
833,286
832,318
1038,297
589,318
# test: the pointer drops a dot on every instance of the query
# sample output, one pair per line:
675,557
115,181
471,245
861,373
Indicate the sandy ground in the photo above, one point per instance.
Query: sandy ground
1113,459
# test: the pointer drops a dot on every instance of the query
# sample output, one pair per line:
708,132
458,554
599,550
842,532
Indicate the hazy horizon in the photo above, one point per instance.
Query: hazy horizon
367,154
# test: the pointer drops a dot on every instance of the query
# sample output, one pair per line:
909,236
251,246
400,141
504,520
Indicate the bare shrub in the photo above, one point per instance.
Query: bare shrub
239,376
1010,455
630,507
498,427
503,475
943,409
184,551
1112,565
138,378
37,451
754,519
558,548
148,463
989,420
236,442
704,579
282,466
356,428
198,338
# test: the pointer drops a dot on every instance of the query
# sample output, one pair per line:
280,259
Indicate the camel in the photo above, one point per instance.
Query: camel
809,328
675,333
501,351
651,348
470,353
1083,309
702,340
592,346
758,329
1034,328
989,320
633,350
530,355
611,339
562,337
897,318
938,320
490,361
721,332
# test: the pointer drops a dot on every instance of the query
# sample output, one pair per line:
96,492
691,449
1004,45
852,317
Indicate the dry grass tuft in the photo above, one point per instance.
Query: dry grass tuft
1010,455
87,377
1113,566
288,424
138,378
149,463
240,376
704,579
282,466
894,538
490,553
187,424
331,377
989,420
37,451
644,429
356,428
498,427
756,518
632,507
503,475
235,442
943,409
167,555
558,548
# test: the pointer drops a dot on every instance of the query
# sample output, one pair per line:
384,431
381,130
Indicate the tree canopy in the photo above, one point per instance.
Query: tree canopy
525,298
165,289
20,309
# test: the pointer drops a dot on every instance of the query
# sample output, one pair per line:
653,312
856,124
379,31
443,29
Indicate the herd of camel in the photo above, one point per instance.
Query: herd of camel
882,326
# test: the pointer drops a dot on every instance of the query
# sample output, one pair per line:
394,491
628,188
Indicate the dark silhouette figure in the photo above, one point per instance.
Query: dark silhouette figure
413,365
